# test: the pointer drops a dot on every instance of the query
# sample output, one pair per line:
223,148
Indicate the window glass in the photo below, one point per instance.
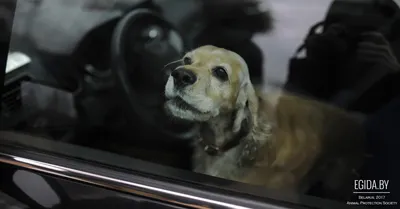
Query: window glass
296,96
8,202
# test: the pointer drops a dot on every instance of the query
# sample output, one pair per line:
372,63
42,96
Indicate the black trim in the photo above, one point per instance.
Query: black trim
5,35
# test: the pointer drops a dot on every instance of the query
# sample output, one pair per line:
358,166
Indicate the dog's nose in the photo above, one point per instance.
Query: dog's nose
183,77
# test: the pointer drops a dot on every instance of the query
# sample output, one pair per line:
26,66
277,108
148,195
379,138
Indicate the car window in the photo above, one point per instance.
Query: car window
295,97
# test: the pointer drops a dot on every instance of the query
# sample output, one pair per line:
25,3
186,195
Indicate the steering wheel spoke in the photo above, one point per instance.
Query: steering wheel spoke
142,45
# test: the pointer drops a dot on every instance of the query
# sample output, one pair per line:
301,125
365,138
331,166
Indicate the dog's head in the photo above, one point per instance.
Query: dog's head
211,81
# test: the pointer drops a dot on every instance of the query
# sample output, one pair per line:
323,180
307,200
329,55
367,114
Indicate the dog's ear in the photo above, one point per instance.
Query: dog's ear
243,109
242,121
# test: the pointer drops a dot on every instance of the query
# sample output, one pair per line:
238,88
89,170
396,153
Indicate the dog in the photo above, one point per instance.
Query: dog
277,140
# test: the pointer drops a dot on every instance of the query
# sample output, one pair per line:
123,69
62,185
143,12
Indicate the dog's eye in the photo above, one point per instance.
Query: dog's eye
187,61
220,73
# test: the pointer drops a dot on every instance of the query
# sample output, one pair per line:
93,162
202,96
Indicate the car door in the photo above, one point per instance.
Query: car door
25,188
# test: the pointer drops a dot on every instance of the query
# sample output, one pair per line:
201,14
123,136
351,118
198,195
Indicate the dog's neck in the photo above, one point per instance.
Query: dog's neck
245,154
217,133
218,129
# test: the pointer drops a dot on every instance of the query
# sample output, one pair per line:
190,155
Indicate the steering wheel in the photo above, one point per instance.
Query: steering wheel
143,43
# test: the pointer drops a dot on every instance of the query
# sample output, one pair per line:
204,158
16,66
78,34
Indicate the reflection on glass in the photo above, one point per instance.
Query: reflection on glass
290,95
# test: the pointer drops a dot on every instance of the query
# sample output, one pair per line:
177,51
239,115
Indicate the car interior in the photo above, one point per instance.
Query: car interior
92,74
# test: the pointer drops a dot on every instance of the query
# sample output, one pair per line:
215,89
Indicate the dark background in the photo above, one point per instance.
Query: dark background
292,21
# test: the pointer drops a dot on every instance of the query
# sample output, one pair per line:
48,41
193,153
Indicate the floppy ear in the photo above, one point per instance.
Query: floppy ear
243,122
243,114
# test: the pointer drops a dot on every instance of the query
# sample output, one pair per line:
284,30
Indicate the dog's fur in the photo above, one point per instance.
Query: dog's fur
288,143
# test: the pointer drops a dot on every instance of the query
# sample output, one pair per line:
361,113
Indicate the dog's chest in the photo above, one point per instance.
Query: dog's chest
223,166
226,164
217,131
